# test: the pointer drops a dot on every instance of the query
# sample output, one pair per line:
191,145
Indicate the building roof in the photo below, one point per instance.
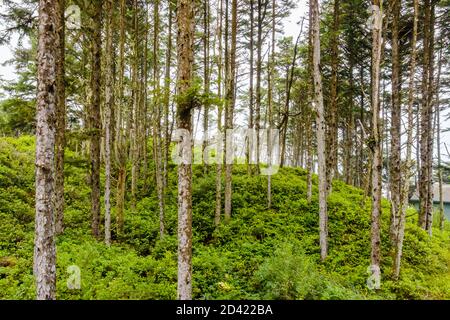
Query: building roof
445,193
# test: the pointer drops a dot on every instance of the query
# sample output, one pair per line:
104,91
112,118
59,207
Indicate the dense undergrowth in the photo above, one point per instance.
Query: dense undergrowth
260,254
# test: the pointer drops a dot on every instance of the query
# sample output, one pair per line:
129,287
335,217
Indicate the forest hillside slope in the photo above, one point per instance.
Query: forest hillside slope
260,254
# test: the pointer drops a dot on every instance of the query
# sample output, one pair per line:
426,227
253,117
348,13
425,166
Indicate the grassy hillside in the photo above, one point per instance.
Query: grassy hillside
260,254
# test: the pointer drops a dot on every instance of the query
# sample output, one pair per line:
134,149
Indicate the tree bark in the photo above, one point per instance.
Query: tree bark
219,170
60,120
230,97
249,154
395,169
109,105
409,141
122,137
333,111
375,142
426,141
185,58
320,123
44,266
94,116
206,81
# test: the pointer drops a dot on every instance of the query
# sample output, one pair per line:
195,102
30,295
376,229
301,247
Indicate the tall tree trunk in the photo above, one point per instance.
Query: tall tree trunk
309,135
262,9
249,146
44,266
320,123
438,138
157,138
120,143
333,111
289,82
167,96
206,80
94,116
135,108
375,143
185,57
395,166
426,141
270,69
219,170
409,141
230,98
109,105
60,120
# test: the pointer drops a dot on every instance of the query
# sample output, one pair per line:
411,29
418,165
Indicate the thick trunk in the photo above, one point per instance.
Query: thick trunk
185,57
320,124
44,244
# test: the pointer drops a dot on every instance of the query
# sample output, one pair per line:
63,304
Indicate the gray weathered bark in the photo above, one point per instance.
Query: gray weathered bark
320,122
185,58
409,141
375,142
109,105
44,244
60,120
94,116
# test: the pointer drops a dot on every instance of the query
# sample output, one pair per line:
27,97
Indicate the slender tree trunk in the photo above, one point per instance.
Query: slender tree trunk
167,96
309,135
135,106
60,121
157,138
44,244
262,9
249,154
270,69
109,105
333,111
426,143
219,121
185,57
94,116
230,98
395,166
206,81
375,143
438,137
409,141
289,83
120,143
320,123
